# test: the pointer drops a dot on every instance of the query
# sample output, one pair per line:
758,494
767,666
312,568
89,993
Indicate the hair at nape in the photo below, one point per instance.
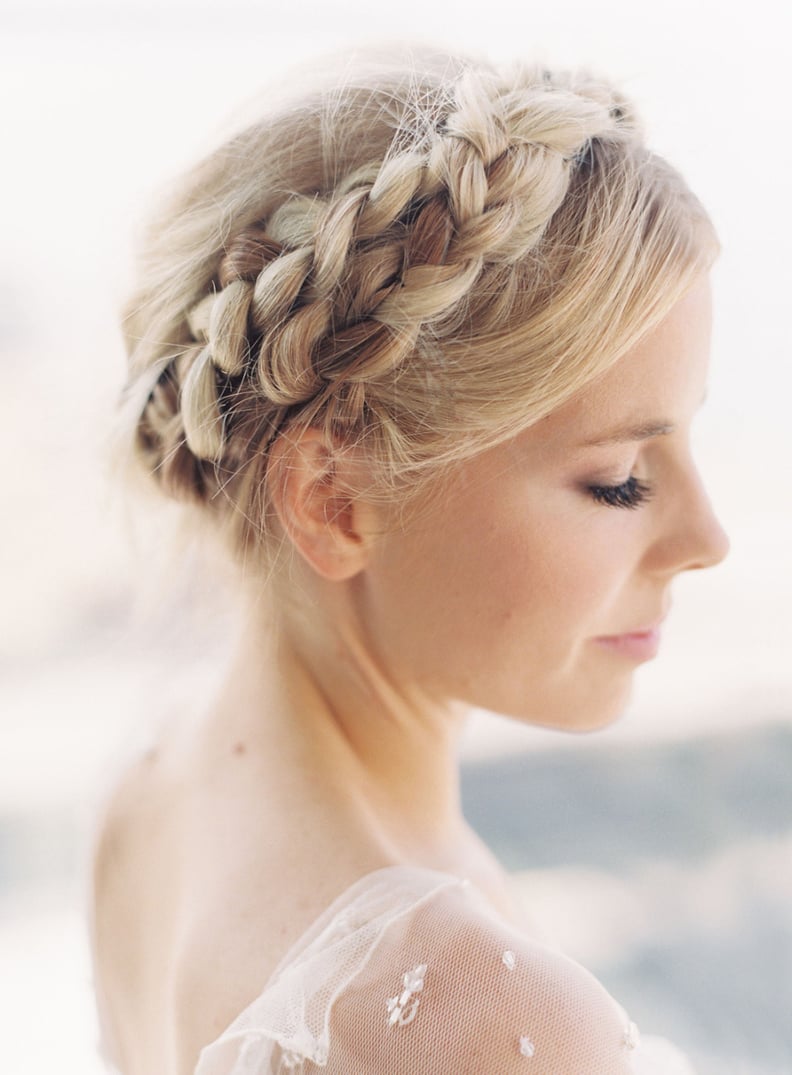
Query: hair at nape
423,256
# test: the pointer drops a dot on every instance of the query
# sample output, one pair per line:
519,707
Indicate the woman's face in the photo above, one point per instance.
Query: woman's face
536,584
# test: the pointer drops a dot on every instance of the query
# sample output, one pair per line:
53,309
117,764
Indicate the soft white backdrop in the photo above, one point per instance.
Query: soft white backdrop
102,102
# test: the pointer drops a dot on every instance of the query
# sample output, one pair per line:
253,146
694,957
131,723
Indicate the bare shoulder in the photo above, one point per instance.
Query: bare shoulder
142,805
132,909
129,829
113,878
129,797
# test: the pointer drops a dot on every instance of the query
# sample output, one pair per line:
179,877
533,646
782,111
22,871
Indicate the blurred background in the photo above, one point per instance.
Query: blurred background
659,852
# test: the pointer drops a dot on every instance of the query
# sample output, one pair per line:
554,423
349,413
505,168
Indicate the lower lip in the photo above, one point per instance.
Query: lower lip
642,646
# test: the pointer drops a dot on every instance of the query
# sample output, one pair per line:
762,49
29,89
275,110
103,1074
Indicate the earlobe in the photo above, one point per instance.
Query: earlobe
314,497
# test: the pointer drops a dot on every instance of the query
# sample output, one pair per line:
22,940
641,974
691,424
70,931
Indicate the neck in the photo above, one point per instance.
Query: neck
382,748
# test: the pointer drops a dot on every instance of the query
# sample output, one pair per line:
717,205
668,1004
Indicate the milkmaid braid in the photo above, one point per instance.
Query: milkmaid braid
426,263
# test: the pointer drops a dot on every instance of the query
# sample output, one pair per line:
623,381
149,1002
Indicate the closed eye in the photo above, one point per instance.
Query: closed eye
630,494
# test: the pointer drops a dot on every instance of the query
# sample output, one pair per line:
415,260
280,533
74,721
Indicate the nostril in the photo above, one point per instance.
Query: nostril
715,543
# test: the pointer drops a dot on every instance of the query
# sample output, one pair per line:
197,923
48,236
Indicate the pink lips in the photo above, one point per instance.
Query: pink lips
636,646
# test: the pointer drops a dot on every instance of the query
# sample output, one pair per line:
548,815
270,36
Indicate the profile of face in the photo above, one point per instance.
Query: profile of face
537,581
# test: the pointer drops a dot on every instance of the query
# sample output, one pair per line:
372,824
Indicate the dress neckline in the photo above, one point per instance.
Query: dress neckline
426,882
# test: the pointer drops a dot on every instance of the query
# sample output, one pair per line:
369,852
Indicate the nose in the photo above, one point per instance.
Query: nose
692,536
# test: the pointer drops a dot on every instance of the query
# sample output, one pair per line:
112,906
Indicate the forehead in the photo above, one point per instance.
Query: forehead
658,382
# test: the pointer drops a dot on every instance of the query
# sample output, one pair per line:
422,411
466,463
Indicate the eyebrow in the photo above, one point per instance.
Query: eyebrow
644,431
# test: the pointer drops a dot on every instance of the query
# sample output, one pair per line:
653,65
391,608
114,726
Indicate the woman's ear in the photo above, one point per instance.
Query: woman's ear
312,486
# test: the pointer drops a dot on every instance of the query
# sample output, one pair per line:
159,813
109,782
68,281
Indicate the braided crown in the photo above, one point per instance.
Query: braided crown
332,293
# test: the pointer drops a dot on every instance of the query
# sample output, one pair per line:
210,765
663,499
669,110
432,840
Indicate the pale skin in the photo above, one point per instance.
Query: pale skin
331,750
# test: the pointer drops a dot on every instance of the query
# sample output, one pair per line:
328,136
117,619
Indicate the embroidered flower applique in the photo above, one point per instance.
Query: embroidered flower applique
402,1009
632,1037
527,1047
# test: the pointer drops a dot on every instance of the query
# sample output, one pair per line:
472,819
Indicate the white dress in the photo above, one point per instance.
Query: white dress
412,972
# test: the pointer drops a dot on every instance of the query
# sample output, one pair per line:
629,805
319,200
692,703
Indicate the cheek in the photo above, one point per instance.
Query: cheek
493,600
549,589
482,589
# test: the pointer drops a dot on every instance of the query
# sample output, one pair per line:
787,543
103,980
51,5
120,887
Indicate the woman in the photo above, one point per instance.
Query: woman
424,345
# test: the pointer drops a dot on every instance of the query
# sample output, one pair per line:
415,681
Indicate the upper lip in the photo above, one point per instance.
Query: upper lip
653,626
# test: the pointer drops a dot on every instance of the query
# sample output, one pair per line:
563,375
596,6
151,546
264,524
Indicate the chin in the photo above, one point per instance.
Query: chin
597,717
582,714
592,722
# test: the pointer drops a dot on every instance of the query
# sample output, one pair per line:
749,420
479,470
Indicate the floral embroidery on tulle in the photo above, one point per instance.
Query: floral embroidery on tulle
291,1060
509,960
402,1009
527,1047
632,1037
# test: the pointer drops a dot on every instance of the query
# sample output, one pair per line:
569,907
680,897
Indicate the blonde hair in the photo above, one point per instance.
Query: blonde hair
424,257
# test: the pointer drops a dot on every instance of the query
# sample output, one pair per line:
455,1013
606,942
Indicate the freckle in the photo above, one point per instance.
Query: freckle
239,748
150,756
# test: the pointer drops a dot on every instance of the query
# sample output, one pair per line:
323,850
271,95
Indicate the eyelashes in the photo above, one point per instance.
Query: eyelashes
630,494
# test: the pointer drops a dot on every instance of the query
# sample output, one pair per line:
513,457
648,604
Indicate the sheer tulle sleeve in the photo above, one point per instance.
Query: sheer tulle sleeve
411,973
